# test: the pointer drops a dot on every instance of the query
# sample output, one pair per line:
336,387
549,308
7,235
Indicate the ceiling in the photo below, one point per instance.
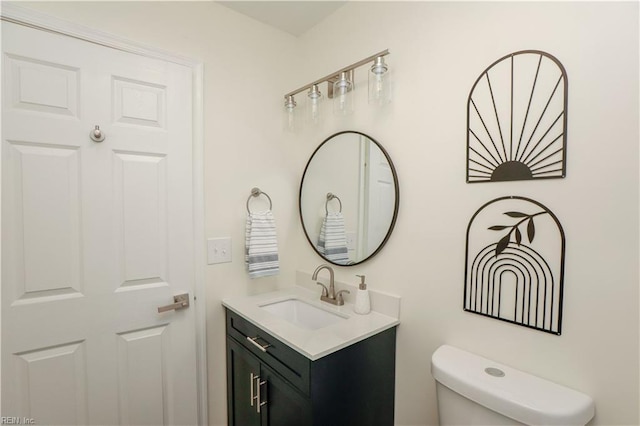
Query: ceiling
293,17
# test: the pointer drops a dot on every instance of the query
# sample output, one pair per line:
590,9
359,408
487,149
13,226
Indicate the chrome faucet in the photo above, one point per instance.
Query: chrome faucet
329,295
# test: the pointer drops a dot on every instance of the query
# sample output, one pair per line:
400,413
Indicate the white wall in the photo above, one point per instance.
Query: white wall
437,51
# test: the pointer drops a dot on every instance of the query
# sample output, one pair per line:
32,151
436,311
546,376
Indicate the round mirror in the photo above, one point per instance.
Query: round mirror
348,198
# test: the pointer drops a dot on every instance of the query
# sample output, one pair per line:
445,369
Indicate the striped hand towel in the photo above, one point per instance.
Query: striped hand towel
332,241
261,245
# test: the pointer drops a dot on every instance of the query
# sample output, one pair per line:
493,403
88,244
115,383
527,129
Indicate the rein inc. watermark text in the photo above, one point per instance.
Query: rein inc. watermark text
9,420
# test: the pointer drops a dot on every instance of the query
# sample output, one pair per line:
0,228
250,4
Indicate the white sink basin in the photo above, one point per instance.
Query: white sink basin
302,314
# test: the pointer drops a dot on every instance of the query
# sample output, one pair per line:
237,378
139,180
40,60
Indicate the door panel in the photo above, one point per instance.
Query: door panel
96,236
54,379
141,218
139,103
41,86
45,243
142,376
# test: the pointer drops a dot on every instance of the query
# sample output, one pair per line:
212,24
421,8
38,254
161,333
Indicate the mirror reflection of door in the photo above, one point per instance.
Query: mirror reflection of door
377,195
358,171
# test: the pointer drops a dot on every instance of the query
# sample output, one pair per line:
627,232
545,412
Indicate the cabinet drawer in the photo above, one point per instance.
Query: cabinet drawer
292,365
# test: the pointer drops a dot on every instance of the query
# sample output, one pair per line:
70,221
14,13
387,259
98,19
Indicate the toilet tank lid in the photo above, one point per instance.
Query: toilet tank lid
516,394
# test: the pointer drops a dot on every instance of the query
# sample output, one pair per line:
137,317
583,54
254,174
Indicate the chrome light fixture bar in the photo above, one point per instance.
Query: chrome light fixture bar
335,76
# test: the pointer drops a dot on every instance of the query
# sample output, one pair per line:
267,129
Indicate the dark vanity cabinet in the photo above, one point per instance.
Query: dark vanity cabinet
269,383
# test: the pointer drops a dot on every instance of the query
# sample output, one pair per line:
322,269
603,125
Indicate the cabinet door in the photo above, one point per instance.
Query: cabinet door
242,367
285,405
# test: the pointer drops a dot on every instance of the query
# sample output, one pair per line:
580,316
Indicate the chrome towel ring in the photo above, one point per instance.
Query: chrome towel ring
330,197
255,192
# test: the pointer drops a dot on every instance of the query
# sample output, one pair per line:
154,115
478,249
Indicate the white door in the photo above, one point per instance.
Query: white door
95,235
380,197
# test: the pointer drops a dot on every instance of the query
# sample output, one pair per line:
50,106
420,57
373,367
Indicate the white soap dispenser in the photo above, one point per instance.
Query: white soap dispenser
363,302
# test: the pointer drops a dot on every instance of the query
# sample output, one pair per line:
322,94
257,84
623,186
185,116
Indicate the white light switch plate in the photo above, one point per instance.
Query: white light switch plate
218,250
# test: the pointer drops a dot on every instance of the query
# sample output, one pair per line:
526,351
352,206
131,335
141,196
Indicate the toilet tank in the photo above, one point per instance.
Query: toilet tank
473,390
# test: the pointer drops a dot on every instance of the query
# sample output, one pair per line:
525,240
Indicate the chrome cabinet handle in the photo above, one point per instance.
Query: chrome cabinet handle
252,378
263,348
259,383
181,301
256,397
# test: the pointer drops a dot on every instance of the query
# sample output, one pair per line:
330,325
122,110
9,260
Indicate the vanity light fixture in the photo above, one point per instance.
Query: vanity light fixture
379,87
340,86
343,94
313,105
290,113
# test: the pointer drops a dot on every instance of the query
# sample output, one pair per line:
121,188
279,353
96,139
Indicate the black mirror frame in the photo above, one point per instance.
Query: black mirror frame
395,207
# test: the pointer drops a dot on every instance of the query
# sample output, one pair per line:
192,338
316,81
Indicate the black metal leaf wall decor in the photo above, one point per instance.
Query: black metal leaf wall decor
515,264
517,119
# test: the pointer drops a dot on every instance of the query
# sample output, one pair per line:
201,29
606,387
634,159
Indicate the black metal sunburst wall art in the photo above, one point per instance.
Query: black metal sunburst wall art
517,119
515,264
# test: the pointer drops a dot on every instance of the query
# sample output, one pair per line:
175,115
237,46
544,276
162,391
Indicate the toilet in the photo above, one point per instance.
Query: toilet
473,390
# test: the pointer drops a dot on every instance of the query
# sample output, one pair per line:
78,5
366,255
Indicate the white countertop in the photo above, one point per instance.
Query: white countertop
313,344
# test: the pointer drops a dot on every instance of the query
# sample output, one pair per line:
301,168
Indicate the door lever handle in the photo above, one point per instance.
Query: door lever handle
181,301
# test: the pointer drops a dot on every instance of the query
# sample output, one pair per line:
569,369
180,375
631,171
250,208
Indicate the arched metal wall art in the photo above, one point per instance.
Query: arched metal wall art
515,264
517,119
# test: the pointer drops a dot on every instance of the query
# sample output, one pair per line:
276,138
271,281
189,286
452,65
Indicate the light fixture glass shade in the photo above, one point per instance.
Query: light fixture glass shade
290,120
314,105
343,95
379,82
